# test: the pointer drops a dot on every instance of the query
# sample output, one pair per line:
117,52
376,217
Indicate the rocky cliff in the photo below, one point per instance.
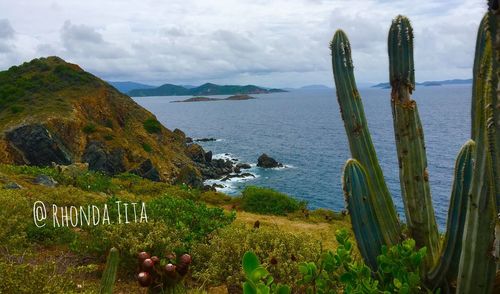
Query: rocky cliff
52,111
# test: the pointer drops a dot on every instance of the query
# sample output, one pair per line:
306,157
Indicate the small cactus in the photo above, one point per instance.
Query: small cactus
109,274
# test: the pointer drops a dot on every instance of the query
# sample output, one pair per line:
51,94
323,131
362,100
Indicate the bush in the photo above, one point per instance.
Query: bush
151,125
16,109
219,261
268,201
89,128
147,147
184,214
93,181
339,272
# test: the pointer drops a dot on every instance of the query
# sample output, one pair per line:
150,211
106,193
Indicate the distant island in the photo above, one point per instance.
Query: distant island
207,99
205,89
125,87
430,83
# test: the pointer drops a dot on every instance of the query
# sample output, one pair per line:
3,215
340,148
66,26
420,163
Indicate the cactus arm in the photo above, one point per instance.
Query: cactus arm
109,274
493,124
410,141
447,268
360,142
477,264
366,229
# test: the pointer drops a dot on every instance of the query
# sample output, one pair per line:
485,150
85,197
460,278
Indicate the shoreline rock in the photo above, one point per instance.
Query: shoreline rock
265,161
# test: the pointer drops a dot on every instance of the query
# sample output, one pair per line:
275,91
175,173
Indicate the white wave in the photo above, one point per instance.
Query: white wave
231,185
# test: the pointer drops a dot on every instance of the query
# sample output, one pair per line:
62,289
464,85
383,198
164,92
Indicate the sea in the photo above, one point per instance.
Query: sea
303,130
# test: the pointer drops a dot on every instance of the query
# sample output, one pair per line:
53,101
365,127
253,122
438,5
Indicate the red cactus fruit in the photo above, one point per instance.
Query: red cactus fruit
186,259
144,279
143,256
148,264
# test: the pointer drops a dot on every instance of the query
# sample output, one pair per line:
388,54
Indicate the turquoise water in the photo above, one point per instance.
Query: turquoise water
303,130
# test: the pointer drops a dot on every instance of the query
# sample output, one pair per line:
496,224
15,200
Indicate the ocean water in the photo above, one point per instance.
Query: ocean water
304,131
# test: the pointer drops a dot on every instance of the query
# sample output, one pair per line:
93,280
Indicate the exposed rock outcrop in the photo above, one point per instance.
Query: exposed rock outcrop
102,159
265,161
37,145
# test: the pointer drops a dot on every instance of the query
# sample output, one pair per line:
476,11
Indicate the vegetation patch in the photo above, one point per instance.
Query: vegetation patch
152,126
268,201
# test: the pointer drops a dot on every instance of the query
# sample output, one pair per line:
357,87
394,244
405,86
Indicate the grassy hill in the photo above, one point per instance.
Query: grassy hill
54,111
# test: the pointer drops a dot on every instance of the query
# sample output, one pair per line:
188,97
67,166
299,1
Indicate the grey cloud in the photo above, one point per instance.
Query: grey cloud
6,30
82,40
279,42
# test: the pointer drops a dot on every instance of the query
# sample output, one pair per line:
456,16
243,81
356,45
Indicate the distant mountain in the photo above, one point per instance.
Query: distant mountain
205,89
431,83
125,87
315,87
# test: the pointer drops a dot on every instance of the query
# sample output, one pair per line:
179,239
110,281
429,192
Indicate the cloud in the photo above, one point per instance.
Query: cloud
6,30
272,43
82,40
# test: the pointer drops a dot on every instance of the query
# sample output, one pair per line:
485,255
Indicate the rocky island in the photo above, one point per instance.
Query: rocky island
237,97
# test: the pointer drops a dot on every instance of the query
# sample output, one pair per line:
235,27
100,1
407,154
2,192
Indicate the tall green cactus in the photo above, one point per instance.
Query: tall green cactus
109,274
410,143
360,141
477,263
466,259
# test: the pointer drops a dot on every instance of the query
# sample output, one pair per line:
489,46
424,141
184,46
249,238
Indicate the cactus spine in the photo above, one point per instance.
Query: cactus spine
466,259
109,274
410,144
360,141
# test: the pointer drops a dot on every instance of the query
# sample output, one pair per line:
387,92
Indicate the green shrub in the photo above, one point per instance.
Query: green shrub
108,137
151,125
219,261
16,109
89,128
339,272
184,214
94,181
268,201
147,147
49,235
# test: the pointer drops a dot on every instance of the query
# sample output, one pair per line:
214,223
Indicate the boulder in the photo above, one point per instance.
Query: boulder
196,153
99,158
190,177
208,156
243,166
266,161
12,186
45,180
38,145
147,170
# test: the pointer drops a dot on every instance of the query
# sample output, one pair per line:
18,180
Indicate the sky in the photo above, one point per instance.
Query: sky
272,43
